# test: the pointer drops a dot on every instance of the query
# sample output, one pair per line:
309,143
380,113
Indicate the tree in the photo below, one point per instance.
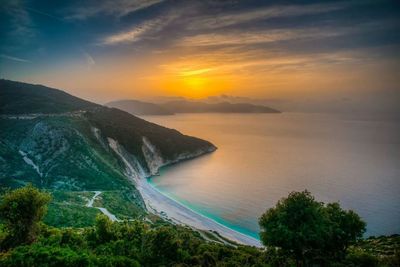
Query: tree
309,231
162,247
346,227
21,210
38,254
103,228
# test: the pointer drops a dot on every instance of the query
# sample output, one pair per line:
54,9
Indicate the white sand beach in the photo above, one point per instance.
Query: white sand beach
162,205
167,207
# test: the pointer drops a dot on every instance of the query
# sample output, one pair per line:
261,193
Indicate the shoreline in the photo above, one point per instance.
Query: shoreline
160,204
204,213
171,209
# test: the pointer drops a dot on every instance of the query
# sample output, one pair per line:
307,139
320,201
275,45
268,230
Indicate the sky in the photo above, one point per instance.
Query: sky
321,52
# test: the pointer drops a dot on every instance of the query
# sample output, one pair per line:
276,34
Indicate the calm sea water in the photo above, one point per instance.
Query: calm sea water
263,157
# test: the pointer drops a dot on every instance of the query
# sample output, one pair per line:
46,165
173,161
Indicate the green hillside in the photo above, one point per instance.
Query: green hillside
61,143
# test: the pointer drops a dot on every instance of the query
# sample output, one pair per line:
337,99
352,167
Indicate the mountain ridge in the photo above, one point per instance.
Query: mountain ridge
64,144
184,106
42,99
137,107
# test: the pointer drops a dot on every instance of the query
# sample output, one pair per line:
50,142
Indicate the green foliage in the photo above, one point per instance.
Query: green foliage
129,131
103,228
39,255
344,228
384,249
295,225
65,151
382,246
64,215
22,210
310,231
68,208
162,246
139,243
112,261
55,146
362,259
3,234
121,203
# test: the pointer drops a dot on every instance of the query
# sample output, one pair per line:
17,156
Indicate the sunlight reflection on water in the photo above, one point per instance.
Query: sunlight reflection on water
262,157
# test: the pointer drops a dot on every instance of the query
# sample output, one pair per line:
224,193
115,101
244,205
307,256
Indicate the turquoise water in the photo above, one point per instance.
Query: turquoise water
261,158
199,209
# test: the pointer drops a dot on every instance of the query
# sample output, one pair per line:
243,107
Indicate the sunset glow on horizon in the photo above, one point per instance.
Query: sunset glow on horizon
192,49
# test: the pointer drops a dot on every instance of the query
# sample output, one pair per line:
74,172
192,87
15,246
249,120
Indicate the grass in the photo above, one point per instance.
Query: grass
68,208
123,204
382,246
61,215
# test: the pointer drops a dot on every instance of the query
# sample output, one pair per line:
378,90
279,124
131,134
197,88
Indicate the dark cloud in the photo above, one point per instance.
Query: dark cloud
94,22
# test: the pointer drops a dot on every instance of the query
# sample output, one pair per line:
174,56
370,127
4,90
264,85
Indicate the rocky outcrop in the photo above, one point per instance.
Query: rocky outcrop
153,157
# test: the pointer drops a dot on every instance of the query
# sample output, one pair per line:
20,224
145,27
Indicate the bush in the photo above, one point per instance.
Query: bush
360,258
309,231
38,255
115,261
161,246
298,224
22,210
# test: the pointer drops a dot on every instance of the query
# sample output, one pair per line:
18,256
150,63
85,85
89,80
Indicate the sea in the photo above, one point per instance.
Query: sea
261,158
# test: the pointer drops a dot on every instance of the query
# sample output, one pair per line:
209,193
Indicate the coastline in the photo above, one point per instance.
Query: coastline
202,211
171,209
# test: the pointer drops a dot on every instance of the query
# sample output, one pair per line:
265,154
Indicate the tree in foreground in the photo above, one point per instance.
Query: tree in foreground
309,231
21,211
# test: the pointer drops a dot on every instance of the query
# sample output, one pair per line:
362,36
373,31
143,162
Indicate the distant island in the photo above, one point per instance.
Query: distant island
185,106
137,107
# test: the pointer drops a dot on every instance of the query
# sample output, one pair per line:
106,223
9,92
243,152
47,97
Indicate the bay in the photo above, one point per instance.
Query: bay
263,157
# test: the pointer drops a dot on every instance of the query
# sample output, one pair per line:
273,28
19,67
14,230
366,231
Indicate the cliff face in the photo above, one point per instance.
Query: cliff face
69,152
153,158
144,139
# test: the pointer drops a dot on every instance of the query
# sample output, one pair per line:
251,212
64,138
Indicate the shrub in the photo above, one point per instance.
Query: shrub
21,211
309,231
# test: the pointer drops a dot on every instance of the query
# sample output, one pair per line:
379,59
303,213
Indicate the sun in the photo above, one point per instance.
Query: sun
195,87
194,83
